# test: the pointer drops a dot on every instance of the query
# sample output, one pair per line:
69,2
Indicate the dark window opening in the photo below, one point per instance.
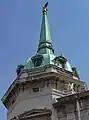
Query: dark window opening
23,88
37,60
56,85
13,101
47,84
37,63
63,65
36,89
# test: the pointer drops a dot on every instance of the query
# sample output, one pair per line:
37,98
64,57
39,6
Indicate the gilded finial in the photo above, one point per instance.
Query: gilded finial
45,7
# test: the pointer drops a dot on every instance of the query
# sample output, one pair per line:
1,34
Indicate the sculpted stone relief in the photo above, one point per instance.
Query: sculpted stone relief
71,87
67,86
58,84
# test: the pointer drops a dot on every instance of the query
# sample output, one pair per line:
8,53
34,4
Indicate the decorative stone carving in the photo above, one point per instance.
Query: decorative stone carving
71,87
23,75
85,87
15,118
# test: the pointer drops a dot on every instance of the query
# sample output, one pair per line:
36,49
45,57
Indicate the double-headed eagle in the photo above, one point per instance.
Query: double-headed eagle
45,7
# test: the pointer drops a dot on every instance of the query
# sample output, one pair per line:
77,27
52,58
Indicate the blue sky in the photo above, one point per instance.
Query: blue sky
19,35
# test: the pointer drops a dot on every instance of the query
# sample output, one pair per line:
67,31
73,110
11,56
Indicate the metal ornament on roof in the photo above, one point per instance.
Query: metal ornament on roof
45,7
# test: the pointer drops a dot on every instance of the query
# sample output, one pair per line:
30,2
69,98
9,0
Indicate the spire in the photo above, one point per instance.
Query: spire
45,44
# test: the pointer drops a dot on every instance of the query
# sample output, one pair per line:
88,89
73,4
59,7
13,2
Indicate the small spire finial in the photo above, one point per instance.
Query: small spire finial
45,7
45,43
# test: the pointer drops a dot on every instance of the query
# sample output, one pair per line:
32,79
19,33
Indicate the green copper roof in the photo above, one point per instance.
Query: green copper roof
37,61
45,53
45,44
62,62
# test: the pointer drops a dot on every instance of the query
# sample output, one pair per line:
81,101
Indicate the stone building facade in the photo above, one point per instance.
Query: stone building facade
73,107
47,87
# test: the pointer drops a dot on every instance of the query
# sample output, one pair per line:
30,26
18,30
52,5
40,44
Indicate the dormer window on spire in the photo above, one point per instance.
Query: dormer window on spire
37,60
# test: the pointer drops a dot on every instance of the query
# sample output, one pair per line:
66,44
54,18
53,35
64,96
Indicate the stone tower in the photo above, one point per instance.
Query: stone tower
41,82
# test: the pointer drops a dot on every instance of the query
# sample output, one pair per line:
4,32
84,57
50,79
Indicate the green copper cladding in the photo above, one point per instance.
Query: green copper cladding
45,53
45,44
